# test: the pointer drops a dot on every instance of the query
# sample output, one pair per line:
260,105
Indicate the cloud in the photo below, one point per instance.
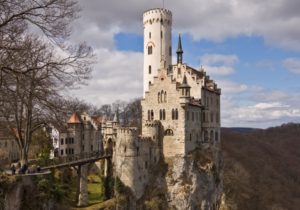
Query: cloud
276,21
217,64
117,75
240,111
292,65
232,87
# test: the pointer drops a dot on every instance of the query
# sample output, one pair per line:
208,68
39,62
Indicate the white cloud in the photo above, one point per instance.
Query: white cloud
217,64
117,75
218,59
261,112
231,87
292,65
276,21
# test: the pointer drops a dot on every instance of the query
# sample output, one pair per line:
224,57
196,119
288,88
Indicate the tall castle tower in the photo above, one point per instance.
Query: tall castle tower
157,43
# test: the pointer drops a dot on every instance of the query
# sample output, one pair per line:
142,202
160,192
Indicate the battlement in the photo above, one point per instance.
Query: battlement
144,138
151,123
127,130
157,10
158,15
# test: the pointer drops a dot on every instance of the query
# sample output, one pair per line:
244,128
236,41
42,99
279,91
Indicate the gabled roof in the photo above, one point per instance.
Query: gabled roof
74,119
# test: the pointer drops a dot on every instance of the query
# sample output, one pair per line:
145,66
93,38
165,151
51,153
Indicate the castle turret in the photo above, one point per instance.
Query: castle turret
157,43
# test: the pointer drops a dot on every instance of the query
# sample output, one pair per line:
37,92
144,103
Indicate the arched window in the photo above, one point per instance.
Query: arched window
149,115
152,115
165,97
149,35
149,83
190,136
176,114
161,96
169,132
149,50
149,69
158,97
211,135
173,114
160,114
164,114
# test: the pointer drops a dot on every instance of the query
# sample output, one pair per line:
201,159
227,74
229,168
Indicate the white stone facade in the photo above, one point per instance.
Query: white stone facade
157,43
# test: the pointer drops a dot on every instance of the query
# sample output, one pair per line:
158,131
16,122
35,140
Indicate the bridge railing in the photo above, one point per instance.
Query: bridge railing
77,157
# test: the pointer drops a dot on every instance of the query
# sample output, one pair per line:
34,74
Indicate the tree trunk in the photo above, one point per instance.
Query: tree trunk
23,157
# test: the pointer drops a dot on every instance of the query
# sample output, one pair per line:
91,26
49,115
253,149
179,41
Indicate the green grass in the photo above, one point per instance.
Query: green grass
95,189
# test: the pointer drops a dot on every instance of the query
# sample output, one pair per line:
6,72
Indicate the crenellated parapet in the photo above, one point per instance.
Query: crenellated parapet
158,15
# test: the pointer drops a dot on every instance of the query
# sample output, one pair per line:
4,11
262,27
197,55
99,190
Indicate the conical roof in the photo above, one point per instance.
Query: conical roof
184,83
74,119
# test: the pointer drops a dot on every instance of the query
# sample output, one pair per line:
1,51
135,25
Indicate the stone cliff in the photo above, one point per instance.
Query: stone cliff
186,183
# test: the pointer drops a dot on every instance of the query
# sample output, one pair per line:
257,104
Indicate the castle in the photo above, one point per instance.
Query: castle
180,112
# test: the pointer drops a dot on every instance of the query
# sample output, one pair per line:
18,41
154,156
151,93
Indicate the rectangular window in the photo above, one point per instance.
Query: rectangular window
149,69
62,152
149,50
170,51
149,35
61,141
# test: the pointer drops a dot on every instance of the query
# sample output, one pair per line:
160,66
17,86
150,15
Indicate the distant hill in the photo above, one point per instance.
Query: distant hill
262,167
242,130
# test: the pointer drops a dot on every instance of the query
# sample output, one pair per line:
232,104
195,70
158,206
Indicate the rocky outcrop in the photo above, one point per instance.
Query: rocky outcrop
192,182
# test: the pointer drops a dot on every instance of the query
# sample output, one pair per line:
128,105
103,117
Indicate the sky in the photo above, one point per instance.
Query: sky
251,48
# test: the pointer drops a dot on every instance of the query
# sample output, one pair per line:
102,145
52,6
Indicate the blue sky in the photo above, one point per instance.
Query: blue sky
253,55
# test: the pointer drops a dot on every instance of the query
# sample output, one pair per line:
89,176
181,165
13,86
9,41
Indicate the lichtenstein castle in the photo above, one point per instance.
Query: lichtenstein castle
178,151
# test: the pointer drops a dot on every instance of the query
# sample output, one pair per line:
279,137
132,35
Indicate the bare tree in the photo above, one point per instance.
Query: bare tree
34,70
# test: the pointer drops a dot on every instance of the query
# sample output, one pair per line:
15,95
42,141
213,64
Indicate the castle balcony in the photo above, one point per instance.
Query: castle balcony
184,100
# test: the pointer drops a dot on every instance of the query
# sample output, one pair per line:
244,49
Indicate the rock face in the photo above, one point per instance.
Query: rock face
193,182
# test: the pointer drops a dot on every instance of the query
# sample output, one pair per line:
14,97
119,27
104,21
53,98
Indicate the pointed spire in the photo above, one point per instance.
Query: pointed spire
115,118
179,50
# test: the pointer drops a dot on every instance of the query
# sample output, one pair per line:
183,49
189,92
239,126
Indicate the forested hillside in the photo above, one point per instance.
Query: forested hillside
262,168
